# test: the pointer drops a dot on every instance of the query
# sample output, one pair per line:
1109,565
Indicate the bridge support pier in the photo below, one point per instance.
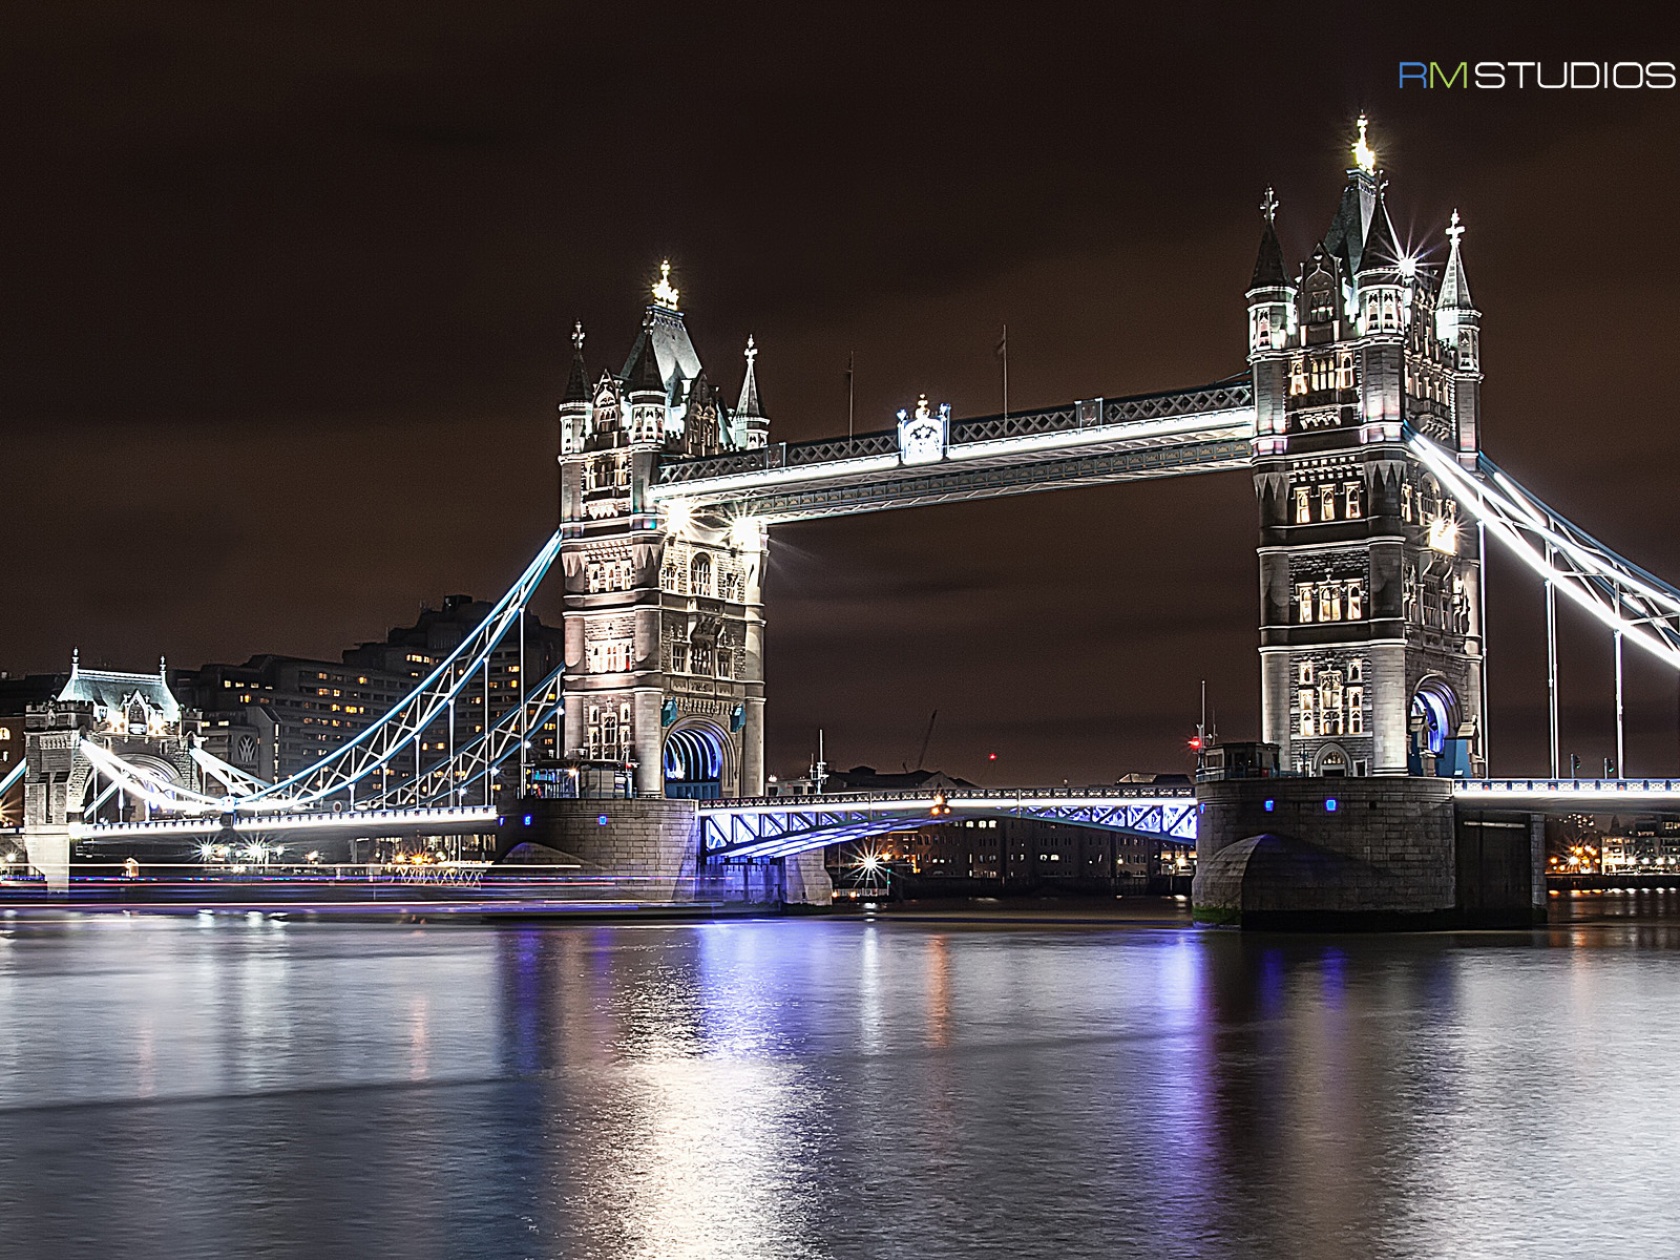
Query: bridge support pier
652,845
48,850
1346,853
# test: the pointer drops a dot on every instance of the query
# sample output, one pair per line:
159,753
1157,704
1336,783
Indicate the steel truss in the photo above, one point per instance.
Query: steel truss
1091,442
1629,600
357,762
773,827
452,780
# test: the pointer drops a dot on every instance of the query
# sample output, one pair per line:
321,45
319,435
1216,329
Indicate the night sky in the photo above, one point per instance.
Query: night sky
285,297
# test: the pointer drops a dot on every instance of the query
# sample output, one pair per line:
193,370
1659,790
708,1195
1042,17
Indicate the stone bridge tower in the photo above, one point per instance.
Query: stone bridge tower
1371,646
663,615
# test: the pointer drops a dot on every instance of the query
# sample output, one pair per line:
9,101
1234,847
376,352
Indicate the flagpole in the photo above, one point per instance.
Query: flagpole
1003,353
851,388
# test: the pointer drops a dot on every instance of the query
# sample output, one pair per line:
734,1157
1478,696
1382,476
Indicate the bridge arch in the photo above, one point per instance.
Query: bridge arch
698,760
1435,706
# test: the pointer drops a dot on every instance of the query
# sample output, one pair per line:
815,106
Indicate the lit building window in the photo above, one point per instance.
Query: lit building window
1305,673
1307,727
1329,601
1344,371
1303,505
1297,376
1355,499
1356,599
1406,502
1356,710
1327,503
1356,670
1304,602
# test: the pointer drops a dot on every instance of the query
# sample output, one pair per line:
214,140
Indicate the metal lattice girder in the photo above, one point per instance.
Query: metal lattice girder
1617,592
235,780
1093,442
11,777
772,827
174,797
484,754
354,763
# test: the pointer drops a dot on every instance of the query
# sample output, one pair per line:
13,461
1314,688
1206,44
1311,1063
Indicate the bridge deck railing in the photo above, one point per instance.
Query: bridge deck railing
1089,413
844,800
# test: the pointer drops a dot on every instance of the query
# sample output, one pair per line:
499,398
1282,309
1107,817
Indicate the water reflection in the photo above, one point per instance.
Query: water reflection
214,1087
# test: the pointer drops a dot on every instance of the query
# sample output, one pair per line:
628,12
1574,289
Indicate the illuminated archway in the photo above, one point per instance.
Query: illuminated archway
695,762
1435,714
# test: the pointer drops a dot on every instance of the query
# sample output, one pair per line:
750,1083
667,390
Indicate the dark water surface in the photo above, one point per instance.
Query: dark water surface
229,1087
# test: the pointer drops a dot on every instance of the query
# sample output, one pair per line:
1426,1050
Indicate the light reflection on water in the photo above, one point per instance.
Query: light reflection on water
173,1086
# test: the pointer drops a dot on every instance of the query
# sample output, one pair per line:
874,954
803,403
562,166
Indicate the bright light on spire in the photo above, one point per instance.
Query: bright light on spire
1364,156
663,294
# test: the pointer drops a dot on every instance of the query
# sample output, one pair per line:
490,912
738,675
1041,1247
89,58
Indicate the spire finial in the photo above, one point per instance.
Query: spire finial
75,659
163,666
577,336
1269,204
1455,229
1364,156
751,350
663,294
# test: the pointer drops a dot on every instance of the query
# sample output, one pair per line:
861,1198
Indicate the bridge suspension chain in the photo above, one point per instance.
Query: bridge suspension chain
1629,600
399,731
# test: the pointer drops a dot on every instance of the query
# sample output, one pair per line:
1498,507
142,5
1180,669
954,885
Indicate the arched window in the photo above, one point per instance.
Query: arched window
700,575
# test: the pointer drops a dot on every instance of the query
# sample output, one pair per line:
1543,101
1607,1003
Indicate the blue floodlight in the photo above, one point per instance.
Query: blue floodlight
1330,805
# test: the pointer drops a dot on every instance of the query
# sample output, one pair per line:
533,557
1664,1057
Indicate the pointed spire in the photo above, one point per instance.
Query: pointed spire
642,374
75,661
1381,250
749,404
1268,267
577,382
1455,287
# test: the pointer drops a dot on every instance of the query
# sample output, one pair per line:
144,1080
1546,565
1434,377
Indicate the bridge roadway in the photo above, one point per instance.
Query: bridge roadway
762,828
1091,442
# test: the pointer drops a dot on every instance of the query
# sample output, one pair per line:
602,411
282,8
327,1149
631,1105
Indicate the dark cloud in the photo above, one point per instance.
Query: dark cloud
284,293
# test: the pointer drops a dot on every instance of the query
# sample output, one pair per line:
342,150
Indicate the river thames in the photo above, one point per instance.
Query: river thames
217,1086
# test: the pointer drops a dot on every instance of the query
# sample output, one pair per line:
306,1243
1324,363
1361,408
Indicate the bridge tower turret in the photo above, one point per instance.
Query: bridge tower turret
1370,617
663,612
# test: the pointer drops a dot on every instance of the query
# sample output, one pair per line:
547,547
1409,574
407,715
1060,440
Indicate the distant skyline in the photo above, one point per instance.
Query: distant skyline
287,299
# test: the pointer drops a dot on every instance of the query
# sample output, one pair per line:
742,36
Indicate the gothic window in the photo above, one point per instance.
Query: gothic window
1329,601
1356,599
1327,503
1307,727
1297,376
729,586
1321,373
668,577
1303,505
724,662
679,658
1344,371
1304,602
701,655
1330,703
700,575
1356,670
1321,299
1263,332
1355,709
609,732
1406,502
1355,497
1305,673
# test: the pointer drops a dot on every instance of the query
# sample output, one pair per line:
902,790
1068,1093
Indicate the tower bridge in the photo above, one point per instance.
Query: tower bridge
1358,416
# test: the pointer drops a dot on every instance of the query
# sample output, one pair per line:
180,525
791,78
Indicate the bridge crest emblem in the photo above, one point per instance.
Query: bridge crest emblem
923,434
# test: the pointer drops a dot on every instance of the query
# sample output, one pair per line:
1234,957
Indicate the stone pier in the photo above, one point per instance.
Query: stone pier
652,844
1350,853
